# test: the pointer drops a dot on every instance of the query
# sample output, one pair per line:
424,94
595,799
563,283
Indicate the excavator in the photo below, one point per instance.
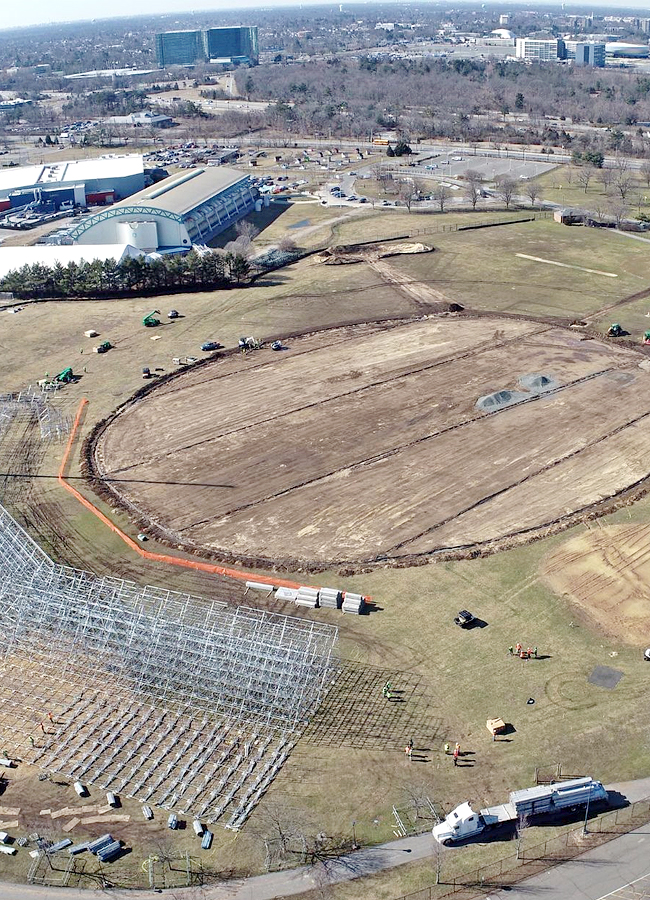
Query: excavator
150,321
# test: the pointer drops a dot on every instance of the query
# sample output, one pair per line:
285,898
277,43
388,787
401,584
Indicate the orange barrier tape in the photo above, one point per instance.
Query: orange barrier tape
195,564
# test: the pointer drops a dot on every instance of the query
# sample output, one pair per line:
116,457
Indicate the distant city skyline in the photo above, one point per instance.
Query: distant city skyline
42,12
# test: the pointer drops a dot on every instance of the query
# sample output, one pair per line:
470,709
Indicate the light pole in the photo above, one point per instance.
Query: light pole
354,834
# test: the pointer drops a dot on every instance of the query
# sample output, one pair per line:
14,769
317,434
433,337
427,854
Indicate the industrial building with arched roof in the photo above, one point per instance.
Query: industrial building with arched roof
175,213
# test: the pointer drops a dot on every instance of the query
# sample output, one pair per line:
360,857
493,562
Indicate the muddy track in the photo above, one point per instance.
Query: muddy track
453,357
398,555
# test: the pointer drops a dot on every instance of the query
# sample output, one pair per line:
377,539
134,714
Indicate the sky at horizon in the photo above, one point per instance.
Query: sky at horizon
40,12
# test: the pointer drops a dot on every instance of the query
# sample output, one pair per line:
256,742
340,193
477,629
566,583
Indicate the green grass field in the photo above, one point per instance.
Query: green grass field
481,269
562,185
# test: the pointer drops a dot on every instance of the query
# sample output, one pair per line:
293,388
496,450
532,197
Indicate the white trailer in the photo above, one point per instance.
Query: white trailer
463,822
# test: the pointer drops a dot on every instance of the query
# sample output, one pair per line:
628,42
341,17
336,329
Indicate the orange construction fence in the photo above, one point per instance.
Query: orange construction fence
195,564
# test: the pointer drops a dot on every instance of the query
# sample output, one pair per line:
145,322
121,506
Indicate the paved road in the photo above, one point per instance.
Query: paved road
618,870
608,868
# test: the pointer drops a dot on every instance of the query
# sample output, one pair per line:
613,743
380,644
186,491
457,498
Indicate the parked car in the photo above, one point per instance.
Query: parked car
210,345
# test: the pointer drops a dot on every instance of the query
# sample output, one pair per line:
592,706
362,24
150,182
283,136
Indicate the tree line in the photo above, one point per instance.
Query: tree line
108,278
461,99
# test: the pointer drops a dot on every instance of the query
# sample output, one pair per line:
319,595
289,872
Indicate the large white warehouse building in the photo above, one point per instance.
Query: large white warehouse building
82,181
175,213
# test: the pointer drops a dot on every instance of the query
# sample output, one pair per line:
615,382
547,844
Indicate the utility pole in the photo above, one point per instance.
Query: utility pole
584,827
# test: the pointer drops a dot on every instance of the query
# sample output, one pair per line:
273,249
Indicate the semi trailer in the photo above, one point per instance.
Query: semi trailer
463,822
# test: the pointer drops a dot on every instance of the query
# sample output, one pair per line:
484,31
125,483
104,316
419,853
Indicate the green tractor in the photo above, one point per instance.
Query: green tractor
615,330
646,337
150,321
65,377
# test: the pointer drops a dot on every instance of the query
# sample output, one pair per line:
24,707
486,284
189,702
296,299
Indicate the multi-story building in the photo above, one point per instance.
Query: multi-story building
179,48
237,44
541,50
183,48
586,53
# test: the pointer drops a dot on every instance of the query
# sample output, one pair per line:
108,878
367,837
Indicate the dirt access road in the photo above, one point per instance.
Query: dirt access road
365,443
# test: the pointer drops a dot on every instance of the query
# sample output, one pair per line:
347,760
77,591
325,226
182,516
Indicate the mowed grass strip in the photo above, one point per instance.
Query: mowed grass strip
481,269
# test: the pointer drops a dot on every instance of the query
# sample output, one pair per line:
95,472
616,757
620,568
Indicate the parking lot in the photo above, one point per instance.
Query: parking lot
454,166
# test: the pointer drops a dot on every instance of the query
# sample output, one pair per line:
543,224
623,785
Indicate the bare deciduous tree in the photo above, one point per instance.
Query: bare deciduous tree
532,191
645,173
605,177
506,188
618,208
584,177
623,185
440,194
405,193
473,189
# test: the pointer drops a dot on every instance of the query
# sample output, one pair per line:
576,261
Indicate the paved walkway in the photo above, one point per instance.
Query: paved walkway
396,853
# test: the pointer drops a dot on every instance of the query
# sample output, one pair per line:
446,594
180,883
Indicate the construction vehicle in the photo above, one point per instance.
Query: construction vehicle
646,337
173,314
464,618
146,372
65,377
150,321
276,345
249,343
463,822
615,330
102,348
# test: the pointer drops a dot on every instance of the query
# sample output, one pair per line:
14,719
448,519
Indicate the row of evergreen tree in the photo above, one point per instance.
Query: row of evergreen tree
107,278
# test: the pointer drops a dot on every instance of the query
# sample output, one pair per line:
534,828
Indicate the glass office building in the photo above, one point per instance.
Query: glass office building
183,48
236,44
179,48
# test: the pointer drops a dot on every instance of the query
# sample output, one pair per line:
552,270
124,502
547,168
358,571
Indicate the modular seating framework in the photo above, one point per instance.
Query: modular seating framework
34,403
167,697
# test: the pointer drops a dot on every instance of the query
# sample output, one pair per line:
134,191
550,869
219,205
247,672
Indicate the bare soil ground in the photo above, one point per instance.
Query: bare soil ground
364,443
606,573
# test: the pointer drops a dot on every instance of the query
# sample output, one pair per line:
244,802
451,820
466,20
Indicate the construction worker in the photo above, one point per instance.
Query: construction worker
535,652
518,648
42,728
456,754
31,741
511,651
447,749
50,717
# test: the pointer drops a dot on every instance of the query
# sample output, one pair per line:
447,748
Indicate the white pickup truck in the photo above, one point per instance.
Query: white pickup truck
463,822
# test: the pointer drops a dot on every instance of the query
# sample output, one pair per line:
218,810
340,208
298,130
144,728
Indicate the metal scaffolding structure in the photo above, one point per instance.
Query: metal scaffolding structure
210,691
34,403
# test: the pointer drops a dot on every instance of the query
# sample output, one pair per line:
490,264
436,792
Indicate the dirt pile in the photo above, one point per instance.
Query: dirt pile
346,254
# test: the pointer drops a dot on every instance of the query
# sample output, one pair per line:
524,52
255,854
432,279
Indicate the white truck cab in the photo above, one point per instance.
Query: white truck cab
461,822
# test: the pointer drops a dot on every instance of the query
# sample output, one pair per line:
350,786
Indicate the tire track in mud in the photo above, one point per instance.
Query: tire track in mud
527,478
393,451
455,357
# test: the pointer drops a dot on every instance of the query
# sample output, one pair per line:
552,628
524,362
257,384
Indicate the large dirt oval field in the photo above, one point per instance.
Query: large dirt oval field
366,443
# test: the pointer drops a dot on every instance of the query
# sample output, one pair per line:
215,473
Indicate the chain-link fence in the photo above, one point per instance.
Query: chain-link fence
536,858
